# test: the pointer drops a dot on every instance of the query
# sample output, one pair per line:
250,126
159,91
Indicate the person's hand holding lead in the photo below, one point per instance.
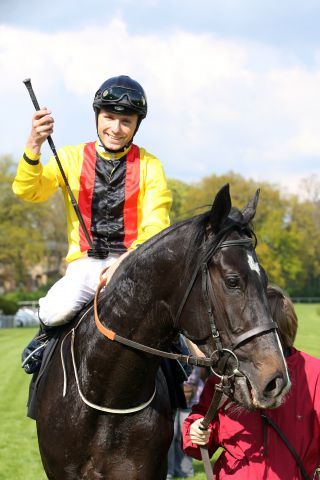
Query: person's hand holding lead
198,436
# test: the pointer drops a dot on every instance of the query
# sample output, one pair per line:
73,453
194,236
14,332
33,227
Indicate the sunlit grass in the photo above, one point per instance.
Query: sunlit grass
19,455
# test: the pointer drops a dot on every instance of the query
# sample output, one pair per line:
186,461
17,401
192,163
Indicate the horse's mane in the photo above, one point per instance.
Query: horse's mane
196,234
200,245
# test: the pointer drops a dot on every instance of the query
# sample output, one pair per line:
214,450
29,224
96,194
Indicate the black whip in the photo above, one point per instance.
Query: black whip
27,83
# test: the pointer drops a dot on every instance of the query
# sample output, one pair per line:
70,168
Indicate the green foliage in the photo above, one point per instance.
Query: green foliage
21,243
8,307
287,229
28,230
22,294
305,221
179,191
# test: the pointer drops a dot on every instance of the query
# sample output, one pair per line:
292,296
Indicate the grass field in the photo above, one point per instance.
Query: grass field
19,456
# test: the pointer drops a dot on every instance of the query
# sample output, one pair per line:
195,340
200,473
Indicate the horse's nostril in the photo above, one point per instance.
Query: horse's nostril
274,387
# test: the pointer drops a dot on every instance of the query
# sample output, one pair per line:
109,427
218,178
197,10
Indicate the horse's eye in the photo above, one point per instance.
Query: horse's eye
232,281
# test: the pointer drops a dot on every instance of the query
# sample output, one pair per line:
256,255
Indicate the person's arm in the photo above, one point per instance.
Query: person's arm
33,182
156,201
189,391
192,435
190,386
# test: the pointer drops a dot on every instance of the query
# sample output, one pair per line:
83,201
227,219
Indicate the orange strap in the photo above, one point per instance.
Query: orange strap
105,331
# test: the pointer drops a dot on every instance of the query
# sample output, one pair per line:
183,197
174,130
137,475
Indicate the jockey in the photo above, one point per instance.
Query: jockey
120,188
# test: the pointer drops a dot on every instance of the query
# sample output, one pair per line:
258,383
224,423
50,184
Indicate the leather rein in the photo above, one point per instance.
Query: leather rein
208,295
223,386
209,299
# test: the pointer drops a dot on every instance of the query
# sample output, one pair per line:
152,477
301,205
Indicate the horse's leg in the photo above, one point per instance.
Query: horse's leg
134,447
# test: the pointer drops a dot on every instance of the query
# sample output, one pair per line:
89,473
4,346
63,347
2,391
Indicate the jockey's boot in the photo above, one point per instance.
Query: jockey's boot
32,355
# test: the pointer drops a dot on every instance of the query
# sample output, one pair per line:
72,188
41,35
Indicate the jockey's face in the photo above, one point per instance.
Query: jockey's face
116,130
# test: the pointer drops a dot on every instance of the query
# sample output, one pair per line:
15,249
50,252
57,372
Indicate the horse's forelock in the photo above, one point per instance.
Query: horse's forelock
235,216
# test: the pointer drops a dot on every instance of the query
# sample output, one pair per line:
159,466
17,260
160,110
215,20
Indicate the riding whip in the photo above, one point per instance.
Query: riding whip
27,83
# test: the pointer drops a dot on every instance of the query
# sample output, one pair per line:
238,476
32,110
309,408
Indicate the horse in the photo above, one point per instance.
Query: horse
101,414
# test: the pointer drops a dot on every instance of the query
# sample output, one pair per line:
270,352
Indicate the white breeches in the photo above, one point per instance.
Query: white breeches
73,291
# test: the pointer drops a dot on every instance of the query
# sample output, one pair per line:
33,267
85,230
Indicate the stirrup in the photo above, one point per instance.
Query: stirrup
33,353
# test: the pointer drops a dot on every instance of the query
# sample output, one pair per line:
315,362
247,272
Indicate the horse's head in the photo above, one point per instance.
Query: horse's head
232,310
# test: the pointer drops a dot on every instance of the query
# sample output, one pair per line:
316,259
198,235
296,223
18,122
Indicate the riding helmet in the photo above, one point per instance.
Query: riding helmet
121,94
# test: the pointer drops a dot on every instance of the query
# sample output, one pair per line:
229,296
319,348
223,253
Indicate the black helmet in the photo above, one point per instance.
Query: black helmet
121,95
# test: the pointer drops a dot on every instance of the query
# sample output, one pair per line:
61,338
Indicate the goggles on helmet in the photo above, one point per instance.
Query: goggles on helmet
116,93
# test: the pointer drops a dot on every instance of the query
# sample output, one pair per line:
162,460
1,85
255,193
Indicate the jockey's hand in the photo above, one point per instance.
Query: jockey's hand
198,436
108,274
42,127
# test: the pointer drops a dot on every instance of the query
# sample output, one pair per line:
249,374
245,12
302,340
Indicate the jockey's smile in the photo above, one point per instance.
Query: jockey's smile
116,130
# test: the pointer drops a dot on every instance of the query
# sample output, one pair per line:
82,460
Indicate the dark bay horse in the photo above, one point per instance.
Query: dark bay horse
199,277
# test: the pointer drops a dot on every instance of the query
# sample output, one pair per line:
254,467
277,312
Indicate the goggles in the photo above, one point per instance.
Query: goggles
115,94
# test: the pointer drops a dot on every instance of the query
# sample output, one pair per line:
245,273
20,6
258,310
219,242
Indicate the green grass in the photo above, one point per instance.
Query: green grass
308,328
19,455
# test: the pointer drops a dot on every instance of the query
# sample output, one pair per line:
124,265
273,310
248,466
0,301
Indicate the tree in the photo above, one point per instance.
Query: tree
26,229
279,235
179,191
305,216
21,241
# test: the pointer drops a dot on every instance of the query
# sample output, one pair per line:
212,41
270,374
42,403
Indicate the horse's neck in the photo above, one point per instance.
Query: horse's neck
143,298
139,304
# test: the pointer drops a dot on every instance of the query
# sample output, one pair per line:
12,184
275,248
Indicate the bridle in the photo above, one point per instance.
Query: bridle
225,380
208,295
210,299
221,354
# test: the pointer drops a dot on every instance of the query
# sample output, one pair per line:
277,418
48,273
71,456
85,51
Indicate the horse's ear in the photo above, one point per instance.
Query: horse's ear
220,209
250,210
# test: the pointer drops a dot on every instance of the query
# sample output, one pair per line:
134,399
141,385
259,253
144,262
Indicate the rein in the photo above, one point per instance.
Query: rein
209,297
206,284
111,335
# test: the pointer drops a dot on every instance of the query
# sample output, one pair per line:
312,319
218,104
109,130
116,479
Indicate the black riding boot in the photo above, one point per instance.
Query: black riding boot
33,353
